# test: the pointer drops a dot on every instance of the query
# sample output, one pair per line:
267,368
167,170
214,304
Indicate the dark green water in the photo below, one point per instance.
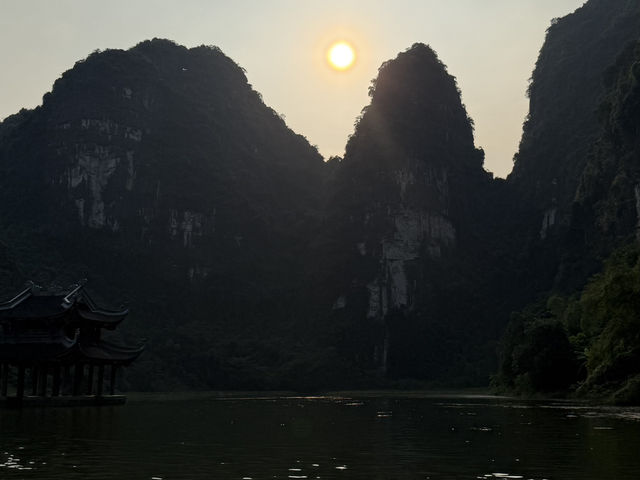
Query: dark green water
361,437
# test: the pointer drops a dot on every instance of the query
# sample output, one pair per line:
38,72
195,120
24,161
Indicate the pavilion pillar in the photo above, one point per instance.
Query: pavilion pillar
66,380
90,380
55,389
4,380
20,384
42,382
112,383
100,380
77,378
34,380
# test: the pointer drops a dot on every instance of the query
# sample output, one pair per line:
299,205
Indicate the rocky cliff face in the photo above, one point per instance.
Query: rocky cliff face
566,90
591,226
403,205
161,174
567,84
606,209
395,181
162,141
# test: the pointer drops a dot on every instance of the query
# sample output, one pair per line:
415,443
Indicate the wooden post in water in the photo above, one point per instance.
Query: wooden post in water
42,382
90,380
77,379
112,385
100,380
20,384
5,379
55,389
66,380
34,380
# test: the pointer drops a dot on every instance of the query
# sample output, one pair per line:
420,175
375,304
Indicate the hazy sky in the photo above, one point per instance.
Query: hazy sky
489,45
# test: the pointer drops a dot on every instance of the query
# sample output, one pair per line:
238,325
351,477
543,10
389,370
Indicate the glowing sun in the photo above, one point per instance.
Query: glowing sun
341,56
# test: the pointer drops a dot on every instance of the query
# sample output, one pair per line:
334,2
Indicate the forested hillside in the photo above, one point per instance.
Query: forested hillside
593,324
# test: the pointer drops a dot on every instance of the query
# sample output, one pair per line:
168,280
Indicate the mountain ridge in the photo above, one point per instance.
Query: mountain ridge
255,265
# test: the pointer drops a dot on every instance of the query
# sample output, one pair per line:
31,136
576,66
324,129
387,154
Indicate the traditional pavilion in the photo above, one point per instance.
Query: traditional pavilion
53,344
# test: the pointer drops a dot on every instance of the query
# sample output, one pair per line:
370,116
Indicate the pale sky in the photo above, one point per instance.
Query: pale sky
490,46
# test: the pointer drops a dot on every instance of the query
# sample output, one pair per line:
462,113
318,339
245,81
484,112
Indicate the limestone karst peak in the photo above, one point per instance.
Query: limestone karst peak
415,111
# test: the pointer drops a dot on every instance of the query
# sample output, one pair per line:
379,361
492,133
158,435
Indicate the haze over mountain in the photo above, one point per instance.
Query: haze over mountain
248,262
283,47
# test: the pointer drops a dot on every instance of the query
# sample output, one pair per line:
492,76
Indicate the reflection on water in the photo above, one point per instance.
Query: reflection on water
363,437
10,461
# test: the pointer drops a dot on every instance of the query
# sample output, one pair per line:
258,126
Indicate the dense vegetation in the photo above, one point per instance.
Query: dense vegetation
589,342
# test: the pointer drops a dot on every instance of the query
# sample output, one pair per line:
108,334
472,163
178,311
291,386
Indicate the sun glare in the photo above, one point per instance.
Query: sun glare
341,56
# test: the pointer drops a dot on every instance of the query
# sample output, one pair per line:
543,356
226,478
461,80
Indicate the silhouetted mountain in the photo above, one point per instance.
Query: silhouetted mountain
159,173
405,228
565,92
248,262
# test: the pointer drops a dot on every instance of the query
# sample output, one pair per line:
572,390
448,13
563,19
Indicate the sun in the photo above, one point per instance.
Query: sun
341,56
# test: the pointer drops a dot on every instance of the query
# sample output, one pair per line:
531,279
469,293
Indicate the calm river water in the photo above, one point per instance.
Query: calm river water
383,436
